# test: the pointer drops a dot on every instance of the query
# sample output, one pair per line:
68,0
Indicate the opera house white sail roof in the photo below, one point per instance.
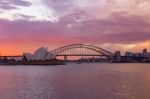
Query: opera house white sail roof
40,54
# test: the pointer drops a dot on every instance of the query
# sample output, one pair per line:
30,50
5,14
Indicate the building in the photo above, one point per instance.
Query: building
117,56
129,54
145,53
137,54
40,54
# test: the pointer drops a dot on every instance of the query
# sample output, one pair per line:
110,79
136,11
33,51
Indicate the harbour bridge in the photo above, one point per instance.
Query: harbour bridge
80,50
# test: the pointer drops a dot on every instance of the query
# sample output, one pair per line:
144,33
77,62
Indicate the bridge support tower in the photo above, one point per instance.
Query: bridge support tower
65,58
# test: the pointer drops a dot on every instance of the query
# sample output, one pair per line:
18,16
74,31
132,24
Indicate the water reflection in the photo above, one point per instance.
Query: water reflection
85,81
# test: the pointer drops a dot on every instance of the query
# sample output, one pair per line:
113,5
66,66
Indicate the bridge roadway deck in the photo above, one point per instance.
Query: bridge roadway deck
13,56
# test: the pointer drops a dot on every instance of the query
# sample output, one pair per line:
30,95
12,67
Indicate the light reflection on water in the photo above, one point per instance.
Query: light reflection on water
76,81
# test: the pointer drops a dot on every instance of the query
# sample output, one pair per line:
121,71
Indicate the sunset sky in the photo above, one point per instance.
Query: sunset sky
26,25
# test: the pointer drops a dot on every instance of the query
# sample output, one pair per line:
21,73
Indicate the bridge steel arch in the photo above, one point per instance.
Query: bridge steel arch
101,51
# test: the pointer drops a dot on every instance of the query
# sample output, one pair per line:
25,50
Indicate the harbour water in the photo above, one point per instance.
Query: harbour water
76,81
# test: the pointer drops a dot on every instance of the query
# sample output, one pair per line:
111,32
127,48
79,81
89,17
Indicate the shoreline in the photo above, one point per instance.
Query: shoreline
63,63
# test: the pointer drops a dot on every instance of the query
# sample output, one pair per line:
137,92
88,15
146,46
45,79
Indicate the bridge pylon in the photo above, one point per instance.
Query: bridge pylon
65,58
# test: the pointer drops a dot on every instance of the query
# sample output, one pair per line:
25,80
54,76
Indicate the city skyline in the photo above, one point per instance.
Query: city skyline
26,25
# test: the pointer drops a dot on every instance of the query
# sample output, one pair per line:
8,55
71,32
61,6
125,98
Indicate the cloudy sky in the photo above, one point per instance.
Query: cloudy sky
111,24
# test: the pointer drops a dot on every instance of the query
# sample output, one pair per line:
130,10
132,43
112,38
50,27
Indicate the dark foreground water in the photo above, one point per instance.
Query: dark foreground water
76,81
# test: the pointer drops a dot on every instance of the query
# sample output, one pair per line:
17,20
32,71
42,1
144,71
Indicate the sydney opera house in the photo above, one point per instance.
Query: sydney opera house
40,54
40,57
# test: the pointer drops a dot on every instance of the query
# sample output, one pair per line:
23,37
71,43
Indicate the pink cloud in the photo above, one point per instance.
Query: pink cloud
117,28
12,4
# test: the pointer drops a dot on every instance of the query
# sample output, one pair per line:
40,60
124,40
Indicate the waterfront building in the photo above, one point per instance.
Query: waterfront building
40,54
137,54
117,56
129,54
145,53
117,53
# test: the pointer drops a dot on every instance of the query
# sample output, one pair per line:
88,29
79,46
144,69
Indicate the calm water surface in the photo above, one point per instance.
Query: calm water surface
76,81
